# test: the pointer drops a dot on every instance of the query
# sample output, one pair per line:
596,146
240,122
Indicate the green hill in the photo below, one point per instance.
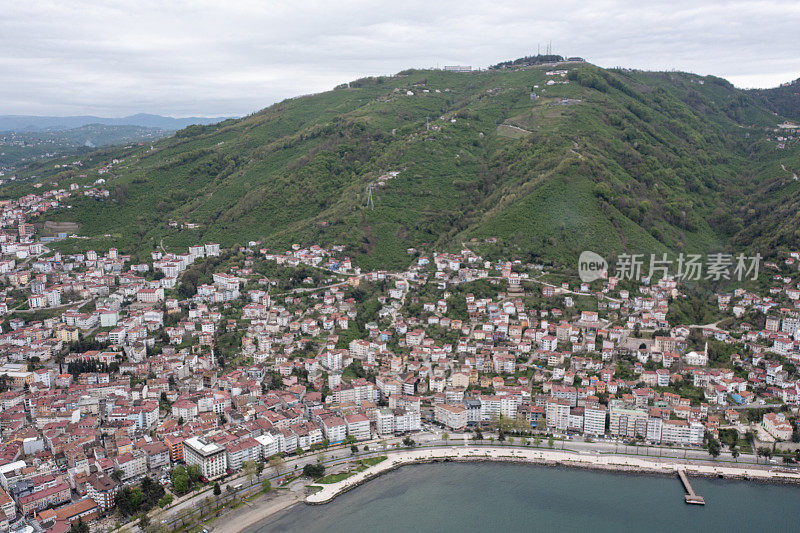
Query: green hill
609,160
783,100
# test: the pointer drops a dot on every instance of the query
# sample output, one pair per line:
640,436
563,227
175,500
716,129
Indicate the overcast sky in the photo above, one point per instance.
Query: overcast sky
208,58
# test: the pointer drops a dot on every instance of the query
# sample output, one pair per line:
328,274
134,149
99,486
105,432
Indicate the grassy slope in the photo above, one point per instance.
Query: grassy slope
644,162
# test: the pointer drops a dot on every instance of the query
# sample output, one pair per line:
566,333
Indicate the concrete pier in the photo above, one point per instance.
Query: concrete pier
691,497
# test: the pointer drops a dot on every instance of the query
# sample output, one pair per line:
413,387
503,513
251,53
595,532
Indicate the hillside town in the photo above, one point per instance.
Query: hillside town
122,373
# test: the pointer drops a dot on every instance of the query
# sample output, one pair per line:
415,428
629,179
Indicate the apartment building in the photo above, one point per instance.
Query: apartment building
451,416
211,458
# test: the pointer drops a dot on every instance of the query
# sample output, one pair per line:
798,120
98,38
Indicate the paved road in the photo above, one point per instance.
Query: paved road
67,305
332,457
336,456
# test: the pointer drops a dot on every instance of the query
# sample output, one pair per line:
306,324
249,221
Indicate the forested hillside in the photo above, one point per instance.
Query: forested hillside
783,100
547,164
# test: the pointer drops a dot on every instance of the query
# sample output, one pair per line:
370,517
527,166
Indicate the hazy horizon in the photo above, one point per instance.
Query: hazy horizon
112,60
239,115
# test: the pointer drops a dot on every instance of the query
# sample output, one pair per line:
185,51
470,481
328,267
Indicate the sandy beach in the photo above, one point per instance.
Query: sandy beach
257,510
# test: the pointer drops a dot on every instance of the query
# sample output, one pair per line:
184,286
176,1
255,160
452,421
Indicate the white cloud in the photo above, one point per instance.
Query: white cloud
209,58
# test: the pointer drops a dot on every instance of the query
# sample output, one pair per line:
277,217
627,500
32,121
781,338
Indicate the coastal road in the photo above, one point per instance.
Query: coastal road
332,457
620,448
340,455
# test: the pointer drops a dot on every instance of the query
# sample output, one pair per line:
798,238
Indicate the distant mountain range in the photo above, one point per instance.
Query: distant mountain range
145,120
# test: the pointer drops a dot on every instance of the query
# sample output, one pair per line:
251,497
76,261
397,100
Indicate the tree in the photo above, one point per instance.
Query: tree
194,473
165,500
144,522
501,436
79,527
277,463
249,468
408,442
314,471
152,492
180,480
266,486
148,485
445,437
128,500
551,442
735,453
713,448
276,381
353,449
217,489
116,475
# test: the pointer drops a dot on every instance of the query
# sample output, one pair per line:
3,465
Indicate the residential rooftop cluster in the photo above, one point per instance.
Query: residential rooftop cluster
116,369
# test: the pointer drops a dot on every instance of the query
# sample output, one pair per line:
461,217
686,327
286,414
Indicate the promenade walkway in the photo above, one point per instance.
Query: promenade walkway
655,465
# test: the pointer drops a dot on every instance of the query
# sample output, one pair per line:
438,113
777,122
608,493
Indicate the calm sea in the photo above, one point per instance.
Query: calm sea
488,497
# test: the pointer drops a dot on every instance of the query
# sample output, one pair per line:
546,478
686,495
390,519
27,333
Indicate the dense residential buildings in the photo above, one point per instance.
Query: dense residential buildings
134,369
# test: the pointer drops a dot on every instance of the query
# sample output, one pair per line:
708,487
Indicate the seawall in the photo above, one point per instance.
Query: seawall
613,463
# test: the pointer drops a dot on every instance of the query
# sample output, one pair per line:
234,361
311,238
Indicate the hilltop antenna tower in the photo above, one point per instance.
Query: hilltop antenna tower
370,203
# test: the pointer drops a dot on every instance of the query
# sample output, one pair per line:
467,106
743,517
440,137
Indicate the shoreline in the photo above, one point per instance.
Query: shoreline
256,514
620,464
608,463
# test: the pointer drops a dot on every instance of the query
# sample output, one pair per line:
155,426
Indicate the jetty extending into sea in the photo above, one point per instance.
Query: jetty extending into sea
691,496
611,462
